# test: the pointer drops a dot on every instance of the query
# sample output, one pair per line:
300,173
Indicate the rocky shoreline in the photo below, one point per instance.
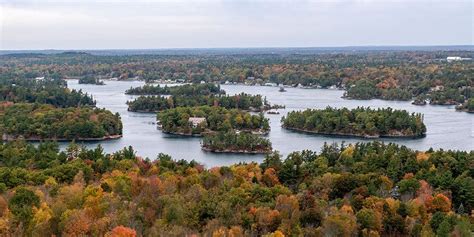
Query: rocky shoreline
236,151
355,135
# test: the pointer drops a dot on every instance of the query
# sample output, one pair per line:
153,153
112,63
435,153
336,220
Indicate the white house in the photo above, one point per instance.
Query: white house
452,59
195,121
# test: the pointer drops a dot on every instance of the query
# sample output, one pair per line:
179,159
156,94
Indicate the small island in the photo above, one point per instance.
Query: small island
467,106
38,122
243,101
359,122
187,89
419,100
196,121
232,142
91,80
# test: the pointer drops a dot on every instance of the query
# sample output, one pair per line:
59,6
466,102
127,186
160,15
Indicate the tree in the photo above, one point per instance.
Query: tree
369,219
22,203
121,231
439,203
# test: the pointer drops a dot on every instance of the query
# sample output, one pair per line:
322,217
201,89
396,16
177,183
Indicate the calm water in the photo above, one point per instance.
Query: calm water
447,128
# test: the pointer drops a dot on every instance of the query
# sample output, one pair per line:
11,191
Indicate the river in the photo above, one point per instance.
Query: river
446,128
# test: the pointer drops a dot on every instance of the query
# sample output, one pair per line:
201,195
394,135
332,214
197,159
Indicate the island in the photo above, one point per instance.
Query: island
187,89
90,80
359,122
232,142
38,122
467,106
419,100
243,101
45,91
196,121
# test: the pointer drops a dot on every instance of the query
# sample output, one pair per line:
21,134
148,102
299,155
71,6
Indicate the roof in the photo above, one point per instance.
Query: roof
197,119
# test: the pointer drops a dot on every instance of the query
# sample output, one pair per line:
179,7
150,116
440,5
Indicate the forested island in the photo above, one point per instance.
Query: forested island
46,91
90,80
198,120
43,108
359,122
241,101
361,189
364,74
186,90
36,122
232,142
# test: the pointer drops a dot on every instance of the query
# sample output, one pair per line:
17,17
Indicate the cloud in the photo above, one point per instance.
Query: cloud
224,23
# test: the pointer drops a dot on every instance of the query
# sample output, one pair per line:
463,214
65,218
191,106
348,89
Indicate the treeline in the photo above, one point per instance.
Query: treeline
362,189
364,122
183,90
231,142
392,75
177,120
440,84
45,91
45,122
158,103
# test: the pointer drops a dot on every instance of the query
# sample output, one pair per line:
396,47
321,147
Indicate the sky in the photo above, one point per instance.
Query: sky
140,24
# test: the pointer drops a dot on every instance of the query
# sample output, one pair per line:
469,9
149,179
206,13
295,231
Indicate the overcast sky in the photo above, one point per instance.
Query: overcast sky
88,24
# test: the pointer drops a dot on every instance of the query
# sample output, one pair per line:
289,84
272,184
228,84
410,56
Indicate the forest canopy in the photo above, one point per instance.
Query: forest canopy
40,121
343,190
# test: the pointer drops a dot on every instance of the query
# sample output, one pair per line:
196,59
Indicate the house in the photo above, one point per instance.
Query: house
195,121
452,59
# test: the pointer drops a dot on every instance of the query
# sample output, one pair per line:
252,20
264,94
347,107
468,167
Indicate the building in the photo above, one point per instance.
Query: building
195,121
456,59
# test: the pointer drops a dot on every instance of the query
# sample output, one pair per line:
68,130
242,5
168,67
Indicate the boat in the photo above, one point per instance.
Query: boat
282,89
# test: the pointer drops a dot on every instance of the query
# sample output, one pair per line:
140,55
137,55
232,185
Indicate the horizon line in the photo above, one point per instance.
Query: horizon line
245,47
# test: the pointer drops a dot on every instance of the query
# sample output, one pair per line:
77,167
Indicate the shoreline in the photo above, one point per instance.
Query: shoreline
6,138
235,151
354,135
264,133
